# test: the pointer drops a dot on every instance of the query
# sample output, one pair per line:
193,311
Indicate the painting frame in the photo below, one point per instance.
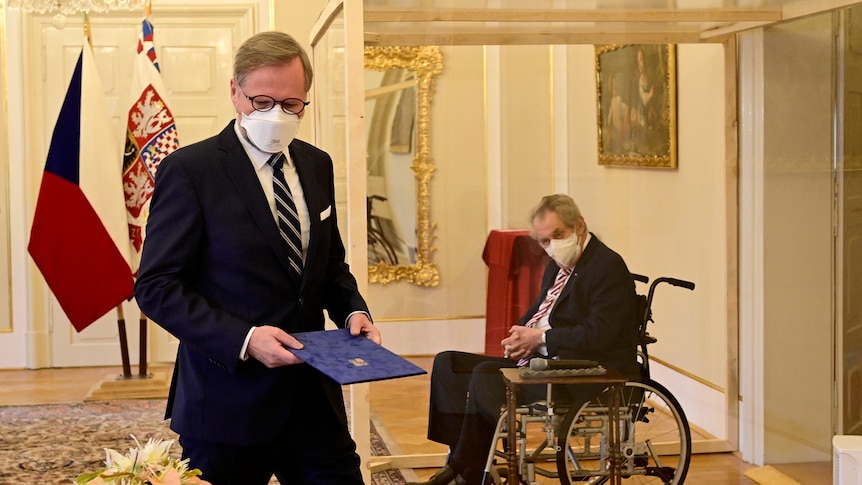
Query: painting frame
636,105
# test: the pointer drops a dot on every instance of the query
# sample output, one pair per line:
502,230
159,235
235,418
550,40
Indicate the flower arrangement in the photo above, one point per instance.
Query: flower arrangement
144,465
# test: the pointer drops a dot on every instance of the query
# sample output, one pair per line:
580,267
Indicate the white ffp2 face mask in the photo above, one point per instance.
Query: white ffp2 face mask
270,131
565,251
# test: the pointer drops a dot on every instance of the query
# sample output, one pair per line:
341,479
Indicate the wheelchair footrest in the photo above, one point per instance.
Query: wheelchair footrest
598,370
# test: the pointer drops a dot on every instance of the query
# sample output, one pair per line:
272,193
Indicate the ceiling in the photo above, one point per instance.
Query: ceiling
502,22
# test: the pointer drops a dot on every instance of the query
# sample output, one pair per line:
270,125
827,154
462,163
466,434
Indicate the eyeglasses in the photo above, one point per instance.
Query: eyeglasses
262,102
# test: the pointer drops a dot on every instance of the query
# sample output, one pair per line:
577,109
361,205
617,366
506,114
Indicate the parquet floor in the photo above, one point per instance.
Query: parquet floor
400,406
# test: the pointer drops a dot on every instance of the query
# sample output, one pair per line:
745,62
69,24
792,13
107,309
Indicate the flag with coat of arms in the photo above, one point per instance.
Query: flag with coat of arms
78,239
151,134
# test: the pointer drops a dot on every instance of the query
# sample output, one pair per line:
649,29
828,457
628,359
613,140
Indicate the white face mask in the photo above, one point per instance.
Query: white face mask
270,131
565,251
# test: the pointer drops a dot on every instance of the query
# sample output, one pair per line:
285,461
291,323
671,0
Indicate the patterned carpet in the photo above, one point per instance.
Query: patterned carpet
54,443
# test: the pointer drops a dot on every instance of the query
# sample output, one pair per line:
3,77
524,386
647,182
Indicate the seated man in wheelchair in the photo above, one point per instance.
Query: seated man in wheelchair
587,309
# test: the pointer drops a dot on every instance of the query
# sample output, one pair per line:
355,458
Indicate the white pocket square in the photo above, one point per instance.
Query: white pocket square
325,213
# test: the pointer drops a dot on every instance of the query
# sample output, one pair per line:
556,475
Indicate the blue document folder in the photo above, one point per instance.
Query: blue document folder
351,360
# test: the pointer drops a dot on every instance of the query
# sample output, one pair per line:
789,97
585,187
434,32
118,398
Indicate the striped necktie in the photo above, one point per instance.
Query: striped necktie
547,303
288,218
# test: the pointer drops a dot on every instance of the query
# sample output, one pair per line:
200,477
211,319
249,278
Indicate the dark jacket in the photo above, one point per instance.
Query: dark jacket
214,265
595,316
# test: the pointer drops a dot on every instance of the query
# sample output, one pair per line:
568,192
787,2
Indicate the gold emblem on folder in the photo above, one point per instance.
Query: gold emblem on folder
358,362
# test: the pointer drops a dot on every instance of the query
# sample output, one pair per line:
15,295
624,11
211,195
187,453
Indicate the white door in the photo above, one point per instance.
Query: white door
195,49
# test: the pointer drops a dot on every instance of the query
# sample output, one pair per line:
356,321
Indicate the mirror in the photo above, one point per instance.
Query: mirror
399,86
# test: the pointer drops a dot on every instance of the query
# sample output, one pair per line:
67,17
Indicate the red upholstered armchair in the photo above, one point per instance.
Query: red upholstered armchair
515,266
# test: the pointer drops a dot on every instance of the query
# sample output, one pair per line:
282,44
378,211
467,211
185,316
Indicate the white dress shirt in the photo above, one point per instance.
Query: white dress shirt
264,174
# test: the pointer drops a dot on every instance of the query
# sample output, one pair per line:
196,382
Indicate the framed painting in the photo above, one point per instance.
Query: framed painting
636,92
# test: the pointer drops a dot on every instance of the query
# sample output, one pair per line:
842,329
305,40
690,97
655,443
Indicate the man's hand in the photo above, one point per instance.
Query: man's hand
267,344
522,342
359,324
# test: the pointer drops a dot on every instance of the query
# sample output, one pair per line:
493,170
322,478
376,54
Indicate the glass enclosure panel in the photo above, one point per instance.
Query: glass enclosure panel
516,121
849,254
338,130
797,207
5,236
330,109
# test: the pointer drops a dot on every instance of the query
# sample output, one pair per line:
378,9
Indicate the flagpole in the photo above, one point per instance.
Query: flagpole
142,367
87,29
124,342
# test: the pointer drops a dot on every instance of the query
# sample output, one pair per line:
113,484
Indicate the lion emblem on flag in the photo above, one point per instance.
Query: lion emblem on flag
151,135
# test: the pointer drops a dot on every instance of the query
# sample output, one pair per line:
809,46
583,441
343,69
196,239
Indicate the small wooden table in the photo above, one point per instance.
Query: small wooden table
613,380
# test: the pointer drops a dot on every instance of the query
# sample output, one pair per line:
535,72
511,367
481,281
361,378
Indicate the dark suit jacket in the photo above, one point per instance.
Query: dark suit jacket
595,316
214,265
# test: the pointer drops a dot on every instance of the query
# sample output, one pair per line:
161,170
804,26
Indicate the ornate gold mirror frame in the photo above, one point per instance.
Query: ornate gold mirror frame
425,63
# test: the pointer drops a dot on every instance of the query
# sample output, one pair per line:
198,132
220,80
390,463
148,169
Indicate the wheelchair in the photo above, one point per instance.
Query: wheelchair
570,443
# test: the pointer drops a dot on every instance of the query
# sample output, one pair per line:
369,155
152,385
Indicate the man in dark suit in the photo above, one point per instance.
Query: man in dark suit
587,309
232,269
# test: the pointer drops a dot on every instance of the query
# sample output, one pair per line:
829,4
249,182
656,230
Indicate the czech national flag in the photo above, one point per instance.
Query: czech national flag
79,238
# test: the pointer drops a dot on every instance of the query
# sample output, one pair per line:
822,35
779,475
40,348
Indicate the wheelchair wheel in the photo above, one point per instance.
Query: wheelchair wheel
655,439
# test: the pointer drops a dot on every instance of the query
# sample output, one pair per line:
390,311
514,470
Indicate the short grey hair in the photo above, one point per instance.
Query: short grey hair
563,205
269,49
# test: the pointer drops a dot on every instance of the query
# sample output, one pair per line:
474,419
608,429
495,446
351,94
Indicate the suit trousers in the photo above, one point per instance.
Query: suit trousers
467,397
317,448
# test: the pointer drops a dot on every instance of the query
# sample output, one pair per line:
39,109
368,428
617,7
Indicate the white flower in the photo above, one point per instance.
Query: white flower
150,464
